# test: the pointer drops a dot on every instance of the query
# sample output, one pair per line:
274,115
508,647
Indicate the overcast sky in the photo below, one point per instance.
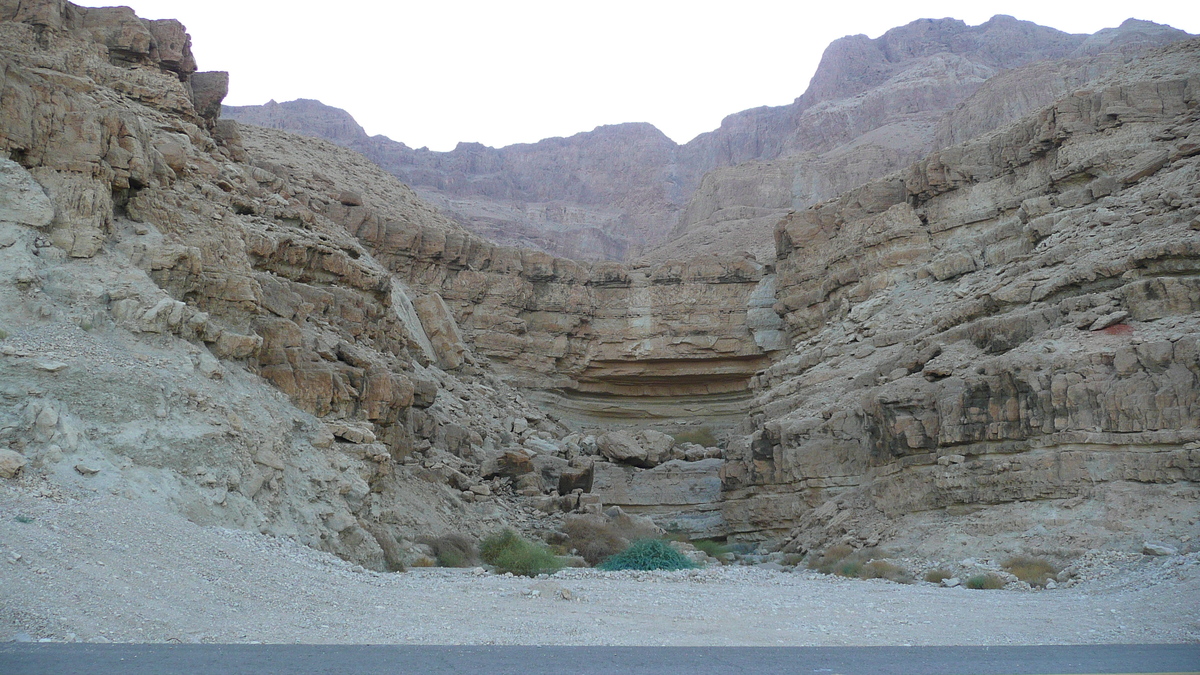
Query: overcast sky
435,72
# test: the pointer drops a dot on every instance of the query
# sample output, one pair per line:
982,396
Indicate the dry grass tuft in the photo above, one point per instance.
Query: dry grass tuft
985,582
1033,571
937,576
595,537
453,550
867,563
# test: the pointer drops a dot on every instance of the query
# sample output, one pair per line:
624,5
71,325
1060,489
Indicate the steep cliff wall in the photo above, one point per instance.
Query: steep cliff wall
162,287
1008,326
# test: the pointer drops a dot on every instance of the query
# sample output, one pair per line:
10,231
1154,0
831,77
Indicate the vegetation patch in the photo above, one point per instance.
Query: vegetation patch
453,550
648,554
937,576
595,537
1033,571
23,519
713,549
867,563
985,582
508,551
702,436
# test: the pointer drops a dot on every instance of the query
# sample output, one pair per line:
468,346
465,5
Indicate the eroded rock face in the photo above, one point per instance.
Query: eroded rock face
188,322
967,330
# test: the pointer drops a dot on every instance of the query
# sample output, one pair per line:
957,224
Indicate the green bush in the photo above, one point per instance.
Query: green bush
985,582
507,551
713,549
595,537
1033,571
648,554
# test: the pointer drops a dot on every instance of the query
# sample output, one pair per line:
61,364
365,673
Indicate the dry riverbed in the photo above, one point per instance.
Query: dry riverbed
106,568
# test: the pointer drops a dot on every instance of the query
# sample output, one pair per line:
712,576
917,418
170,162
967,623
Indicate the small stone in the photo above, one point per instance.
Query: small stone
86,469
1109,320
951,582
1150,548
1195,225
50,366
481,490
1051,585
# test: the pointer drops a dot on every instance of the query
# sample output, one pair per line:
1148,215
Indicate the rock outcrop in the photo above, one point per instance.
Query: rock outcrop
185,322
1010,321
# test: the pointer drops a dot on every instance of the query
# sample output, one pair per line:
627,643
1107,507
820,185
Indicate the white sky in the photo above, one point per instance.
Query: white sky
435,72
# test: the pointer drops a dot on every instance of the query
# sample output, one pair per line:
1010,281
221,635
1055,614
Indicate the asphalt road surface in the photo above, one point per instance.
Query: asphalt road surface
155,659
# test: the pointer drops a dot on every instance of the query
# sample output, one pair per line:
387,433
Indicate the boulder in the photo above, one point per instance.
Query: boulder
11,463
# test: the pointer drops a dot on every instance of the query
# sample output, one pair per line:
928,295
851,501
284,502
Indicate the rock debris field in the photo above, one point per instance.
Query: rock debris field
98,567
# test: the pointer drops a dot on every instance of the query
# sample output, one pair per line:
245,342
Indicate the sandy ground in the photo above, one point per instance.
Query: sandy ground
105,568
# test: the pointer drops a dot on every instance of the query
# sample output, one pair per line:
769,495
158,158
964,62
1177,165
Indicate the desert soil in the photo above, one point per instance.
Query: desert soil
102,567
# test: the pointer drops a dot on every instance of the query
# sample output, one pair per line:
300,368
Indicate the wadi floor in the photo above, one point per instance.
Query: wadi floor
99,568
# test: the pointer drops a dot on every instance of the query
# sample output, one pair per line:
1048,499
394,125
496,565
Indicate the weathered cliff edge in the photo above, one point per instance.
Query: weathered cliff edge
627,192
1001,341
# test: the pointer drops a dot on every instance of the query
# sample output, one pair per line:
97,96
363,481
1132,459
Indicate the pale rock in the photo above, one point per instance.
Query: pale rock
85,469
11,463
1150,548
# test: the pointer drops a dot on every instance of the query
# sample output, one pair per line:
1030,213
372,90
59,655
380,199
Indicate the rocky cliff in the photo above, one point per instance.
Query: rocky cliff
184,322
993,348
626,191
1000,339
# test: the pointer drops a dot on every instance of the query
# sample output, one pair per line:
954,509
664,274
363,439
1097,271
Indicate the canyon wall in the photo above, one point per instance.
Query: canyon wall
994,346
1000,338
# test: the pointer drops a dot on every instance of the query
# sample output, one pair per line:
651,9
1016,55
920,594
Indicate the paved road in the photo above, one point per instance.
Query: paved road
56,659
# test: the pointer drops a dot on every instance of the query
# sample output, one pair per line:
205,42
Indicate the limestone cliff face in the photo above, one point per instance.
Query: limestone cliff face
162,287
627,192
874,106
269,331
1009,320
602,340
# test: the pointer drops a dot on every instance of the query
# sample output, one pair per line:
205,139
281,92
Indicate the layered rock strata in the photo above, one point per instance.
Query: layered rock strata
183,322
1009,321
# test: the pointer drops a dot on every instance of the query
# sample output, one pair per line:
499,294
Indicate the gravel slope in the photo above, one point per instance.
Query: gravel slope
99,567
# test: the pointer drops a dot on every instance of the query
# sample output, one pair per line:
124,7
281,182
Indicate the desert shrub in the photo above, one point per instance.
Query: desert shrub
826,561
595,537
937,576
648,554
1033,571
3,334
508,551
867,563
714,549
453,550
702,436
882,569
985,582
